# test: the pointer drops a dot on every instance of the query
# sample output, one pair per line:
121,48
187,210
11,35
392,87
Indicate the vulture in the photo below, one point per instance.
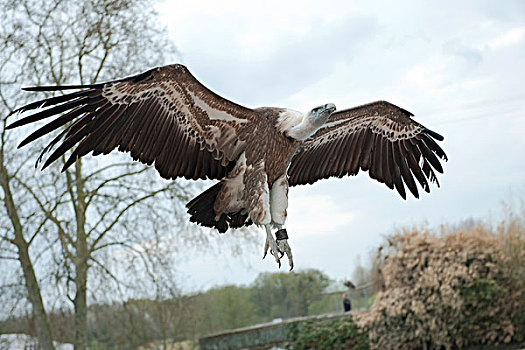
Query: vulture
165,117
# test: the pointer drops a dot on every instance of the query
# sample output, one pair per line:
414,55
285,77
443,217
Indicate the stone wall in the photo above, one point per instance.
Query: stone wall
261,336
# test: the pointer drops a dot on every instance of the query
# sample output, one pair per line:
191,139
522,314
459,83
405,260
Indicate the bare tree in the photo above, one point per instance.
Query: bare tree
16,236
68,220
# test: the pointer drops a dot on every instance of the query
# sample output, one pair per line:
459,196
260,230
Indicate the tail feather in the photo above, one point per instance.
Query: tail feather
201,211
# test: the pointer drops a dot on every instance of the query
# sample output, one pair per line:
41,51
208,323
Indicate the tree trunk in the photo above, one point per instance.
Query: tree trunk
80,307
33,290
81,263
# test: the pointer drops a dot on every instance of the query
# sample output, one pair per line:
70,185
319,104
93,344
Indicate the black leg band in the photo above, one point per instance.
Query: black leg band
281,234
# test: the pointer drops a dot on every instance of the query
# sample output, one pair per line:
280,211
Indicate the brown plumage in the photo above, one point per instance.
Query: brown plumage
165,117
380,138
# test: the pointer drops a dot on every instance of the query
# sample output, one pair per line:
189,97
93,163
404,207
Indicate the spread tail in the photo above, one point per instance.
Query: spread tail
201,211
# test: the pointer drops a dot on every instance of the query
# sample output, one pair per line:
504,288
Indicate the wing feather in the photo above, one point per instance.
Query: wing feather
366,148
86,99
325,162
113,130
341,160
429,156
375,168
389,182
310,166
404,169
55,124
396,175
356,153
163,116
413,157
153,146
380,138
347,155
337,164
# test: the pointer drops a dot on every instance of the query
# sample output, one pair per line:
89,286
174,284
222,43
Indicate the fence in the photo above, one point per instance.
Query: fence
361,297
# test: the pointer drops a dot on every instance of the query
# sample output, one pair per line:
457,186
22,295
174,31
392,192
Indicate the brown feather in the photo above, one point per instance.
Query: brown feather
327,155
349,153
366,149
372,137
388,174
46,113
414,166
54,101
55,124
432,145
310,166
404,170
106,130
396,176
343,155
354,165
376,168
93,137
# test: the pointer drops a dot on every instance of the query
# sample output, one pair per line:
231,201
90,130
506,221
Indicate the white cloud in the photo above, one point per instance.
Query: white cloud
454,64
512,37
316,215
425,75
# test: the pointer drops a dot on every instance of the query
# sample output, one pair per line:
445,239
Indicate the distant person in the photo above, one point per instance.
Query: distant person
347,305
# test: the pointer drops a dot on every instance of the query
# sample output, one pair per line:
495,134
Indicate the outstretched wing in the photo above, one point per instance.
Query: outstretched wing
379,137
163,116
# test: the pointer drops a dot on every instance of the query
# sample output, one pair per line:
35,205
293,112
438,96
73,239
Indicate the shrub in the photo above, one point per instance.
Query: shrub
449,291
340,333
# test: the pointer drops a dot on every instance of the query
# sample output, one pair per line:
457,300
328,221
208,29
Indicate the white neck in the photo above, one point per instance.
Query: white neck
303,130
298,125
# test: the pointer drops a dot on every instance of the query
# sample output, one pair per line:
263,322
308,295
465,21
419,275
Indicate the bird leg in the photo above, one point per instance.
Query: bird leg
278,247
283,246
272,244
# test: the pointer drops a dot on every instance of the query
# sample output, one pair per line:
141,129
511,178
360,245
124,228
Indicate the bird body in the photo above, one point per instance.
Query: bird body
166,117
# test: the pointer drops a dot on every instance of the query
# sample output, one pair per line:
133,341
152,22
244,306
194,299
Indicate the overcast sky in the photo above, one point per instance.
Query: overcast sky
457,65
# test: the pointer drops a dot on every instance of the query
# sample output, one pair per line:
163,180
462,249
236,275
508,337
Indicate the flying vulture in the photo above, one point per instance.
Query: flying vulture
166,117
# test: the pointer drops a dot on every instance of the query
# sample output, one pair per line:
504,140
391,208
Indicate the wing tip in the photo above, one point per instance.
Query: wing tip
15,111
40,88
434,134
15,124
22,144
59,87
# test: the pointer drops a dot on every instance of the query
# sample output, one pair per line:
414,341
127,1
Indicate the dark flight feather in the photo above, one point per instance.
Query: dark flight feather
380,138
140,115
167,118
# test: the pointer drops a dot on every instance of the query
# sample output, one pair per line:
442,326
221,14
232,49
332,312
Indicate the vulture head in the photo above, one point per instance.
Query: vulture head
311,122
319,115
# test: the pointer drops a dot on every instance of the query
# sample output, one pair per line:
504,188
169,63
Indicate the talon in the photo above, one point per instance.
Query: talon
272,245
285,247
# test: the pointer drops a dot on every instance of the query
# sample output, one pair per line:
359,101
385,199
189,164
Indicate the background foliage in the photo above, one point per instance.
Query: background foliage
453,290
136,322
334,334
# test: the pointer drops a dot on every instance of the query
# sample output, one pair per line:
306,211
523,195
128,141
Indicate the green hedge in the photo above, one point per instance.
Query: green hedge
332,334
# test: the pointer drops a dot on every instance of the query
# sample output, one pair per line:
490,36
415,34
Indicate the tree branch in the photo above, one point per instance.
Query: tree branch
93,192
48,213
122,212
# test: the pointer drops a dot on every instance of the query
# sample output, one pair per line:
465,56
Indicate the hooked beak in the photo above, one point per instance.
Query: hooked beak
331,107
